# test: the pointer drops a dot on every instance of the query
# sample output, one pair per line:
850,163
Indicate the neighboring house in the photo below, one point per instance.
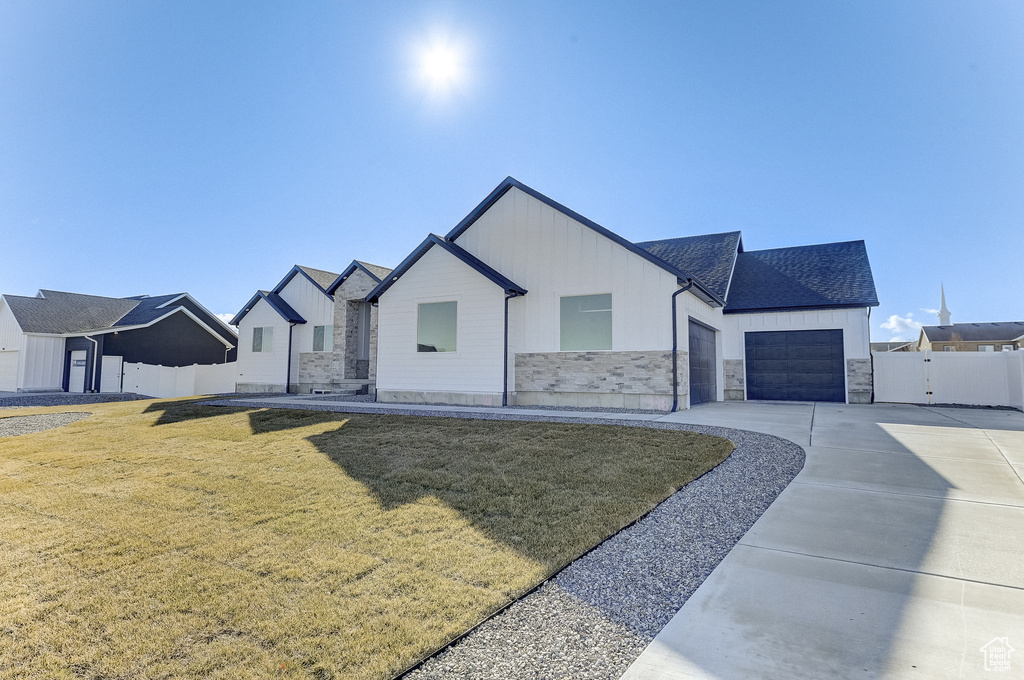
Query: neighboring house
311,332
900,346
1004,336
50,341
528,302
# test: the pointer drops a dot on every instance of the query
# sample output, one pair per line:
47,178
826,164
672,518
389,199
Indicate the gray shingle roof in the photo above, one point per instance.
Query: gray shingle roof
322,277
147,310
811,277
707,258
59,312
378,271
976,332
63,313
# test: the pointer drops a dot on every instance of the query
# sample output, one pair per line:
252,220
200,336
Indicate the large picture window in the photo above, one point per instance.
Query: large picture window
435,327
263,339
586,322
323,338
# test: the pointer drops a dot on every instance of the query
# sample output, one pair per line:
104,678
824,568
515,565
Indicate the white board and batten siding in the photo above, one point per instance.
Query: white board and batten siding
552,255
10,344
968,378
854,323
268,368
42,363
475,366
313,306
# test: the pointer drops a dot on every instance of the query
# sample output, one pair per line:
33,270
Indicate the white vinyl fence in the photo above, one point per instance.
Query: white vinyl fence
968,378
183,381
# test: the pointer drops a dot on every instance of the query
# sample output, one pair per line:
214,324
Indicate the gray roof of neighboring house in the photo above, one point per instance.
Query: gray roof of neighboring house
147,310
894,346
60,313
828,275
976,332
708,258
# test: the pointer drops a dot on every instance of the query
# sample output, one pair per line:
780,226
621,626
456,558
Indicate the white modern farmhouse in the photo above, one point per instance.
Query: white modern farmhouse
312,332
528,302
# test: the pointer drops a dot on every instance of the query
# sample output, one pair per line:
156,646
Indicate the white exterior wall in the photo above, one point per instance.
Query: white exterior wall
313,306
854,323
10,331
475,366
10,343
269,368
553,255
41,365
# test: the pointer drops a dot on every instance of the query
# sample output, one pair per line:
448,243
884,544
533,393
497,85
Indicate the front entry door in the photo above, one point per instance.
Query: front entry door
76,375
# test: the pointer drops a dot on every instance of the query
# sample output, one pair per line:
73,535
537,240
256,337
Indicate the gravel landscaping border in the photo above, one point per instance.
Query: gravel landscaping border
596,616
65,399
12,426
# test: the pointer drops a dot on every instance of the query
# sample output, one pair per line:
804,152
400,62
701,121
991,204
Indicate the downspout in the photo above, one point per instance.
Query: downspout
288,372
504,386
871,356
95,358
675,347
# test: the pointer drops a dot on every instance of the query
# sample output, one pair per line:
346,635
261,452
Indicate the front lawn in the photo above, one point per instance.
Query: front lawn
169,540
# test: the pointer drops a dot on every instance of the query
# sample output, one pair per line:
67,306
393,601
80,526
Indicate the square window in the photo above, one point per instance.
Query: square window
436,324
323,338
586,322
263,339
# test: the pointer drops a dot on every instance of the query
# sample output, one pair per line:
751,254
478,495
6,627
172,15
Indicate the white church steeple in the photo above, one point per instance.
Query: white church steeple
943,312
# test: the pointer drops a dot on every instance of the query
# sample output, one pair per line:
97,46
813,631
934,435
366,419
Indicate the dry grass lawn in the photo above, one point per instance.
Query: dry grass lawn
169,540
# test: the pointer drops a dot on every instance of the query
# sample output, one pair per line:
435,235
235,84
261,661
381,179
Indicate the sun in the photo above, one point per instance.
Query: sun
441,66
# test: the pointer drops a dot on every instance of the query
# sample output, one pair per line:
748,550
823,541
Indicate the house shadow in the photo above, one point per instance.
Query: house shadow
184,410
550,502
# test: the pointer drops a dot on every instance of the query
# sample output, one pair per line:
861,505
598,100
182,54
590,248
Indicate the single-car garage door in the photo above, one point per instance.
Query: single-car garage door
796,365
703,386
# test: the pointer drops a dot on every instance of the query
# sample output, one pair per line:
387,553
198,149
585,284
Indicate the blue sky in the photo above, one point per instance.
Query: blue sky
156,147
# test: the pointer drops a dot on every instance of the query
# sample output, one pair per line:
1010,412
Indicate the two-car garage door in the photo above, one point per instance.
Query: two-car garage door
796,365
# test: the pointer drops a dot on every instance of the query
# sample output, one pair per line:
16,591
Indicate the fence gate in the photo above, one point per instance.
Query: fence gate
968,378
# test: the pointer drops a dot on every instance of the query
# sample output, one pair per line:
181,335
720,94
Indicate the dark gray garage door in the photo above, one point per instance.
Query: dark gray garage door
796,365
703,387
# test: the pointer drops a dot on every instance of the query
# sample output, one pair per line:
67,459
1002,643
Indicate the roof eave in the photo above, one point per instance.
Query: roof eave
296,269
807,308
510,287
349,270
511,182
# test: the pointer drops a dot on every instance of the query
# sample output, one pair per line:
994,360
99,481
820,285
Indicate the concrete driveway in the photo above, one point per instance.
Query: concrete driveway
898,552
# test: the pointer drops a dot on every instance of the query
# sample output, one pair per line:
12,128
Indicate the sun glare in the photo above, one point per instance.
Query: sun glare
442,67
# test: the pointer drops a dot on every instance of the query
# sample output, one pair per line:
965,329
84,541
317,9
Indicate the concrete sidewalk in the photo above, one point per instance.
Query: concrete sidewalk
898,552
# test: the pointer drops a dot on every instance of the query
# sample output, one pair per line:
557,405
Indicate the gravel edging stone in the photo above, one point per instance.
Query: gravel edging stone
12,426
